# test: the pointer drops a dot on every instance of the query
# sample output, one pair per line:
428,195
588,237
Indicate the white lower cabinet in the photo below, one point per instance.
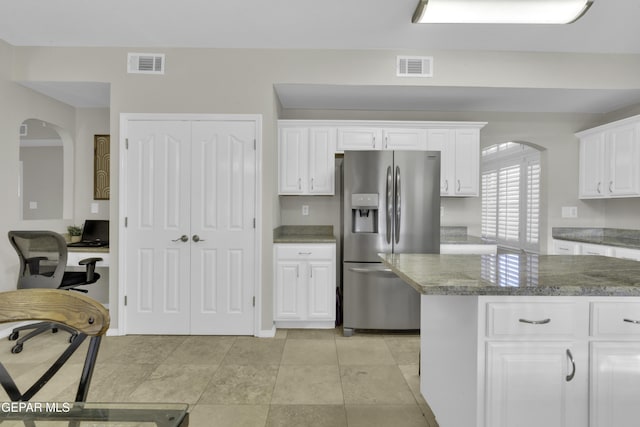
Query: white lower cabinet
531,361
305,283
533,384
615,383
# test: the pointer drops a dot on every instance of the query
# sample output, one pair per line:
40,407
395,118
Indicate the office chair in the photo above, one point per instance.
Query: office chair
43,259
76,311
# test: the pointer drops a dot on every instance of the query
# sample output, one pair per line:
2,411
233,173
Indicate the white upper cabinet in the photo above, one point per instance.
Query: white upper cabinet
381,138
459,160
610,160
359,138
307,148
306,160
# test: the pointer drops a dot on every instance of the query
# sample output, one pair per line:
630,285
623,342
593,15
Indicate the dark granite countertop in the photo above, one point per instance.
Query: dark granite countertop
599,236
515,274
304,234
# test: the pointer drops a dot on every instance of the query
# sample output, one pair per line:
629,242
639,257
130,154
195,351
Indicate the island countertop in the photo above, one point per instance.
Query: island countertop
517,274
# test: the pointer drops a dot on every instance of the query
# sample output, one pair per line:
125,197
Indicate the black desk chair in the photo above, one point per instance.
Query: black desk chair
78,312
43,260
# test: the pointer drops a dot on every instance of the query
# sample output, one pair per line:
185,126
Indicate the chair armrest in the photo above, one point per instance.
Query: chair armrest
91,267
89,261
34,263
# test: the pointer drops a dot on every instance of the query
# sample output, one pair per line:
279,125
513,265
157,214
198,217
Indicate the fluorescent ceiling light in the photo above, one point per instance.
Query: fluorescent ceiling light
500,11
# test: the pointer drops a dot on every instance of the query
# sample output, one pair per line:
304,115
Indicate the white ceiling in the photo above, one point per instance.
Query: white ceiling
610,26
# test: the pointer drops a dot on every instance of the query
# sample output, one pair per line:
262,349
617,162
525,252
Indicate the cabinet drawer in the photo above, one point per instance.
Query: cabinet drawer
562,247
588,249
302,252
544,319
615,318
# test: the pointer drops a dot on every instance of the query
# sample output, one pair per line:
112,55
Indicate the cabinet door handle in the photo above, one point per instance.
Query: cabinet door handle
312,183
458,185
374,142
573,366
446,185
386,142
305,253
535,322
598,187
299,183
297,271
610,186
636,322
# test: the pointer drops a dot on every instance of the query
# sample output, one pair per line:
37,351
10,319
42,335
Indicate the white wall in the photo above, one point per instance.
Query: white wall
241,81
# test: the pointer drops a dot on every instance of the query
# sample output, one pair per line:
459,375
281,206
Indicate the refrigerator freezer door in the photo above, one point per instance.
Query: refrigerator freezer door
417,212
365,172
377,299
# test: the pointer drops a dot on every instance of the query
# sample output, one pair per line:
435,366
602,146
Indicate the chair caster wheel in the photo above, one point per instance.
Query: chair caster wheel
54,330
16,349
14,336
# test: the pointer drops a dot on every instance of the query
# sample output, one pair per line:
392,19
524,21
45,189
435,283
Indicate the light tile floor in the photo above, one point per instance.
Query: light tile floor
299,378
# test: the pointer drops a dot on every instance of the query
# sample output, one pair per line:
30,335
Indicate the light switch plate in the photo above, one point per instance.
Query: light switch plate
569,212
305,210
33,205
94,208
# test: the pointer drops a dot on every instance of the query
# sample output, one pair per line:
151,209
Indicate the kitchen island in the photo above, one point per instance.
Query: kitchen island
527,340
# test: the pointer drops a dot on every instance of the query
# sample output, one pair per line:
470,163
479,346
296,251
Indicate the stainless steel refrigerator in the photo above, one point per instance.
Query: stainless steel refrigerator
391,203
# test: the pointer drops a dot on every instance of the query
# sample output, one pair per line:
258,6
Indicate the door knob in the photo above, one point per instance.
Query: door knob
197,238
183,238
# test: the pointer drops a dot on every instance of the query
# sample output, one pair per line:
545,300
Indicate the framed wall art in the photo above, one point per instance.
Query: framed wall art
101,163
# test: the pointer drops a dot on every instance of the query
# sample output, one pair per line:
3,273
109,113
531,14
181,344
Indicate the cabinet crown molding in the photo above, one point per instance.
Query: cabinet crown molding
623,122
384,123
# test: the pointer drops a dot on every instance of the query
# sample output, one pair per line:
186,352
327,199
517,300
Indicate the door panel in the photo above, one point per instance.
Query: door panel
158,199
365,172
222,214
418,220
190,235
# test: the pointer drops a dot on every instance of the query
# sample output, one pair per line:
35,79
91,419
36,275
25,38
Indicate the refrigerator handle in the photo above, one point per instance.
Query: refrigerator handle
397,203
389,201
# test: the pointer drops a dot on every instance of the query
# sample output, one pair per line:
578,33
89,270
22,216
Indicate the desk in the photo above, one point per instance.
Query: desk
102,414
75,254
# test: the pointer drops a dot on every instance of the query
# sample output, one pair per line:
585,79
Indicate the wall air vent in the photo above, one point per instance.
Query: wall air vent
145,63
414,66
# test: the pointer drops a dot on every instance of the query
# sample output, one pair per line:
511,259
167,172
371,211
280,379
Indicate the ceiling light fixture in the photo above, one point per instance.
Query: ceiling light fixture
500,11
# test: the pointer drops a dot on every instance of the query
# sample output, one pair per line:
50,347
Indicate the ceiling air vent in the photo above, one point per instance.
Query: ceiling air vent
145,63
415,66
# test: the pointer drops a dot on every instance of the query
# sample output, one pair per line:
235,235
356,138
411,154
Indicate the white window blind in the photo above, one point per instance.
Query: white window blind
533,202
509,205
511,196
489,203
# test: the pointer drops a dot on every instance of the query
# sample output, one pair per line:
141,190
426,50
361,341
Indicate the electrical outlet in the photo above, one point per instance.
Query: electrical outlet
33,205
305,210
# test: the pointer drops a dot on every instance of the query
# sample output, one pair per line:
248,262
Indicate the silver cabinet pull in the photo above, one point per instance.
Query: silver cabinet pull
312,183
535,322
610,186
299,183
598,187
305,253
386,142
458,185
374,142
446,185
573,366
183,238
197,238
635,322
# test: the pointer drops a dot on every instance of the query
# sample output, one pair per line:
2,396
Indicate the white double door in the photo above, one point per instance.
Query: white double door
189,235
